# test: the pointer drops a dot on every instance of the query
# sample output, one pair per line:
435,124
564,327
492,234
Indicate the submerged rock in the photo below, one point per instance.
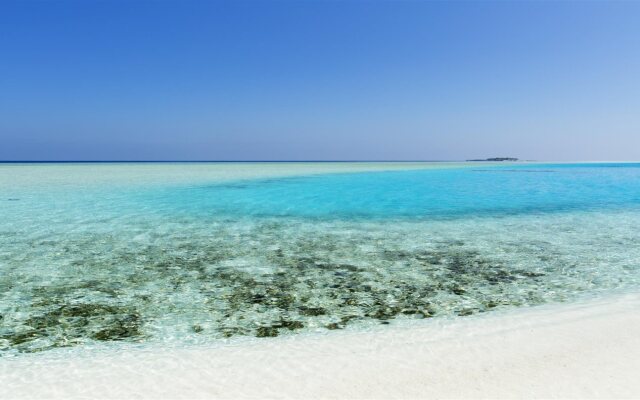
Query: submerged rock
266,331
69,324
308,282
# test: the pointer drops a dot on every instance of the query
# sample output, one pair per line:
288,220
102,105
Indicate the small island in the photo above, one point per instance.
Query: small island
497,159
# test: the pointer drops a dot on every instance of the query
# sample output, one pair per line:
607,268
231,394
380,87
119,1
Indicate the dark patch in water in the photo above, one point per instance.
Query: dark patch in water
356,290
69,324
300,285
267,331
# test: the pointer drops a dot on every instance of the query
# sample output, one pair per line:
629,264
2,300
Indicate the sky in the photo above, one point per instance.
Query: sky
319,80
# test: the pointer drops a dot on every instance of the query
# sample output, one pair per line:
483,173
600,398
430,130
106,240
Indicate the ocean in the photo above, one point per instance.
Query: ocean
112,255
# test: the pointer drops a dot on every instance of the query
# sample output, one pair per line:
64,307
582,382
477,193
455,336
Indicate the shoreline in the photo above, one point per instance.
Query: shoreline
588,349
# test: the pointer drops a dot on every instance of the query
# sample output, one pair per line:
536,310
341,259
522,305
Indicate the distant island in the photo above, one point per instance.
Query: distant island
497,159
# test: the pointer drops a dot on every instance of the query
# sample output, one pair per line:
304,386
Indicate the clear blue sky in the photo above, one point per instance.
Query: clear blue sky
322,80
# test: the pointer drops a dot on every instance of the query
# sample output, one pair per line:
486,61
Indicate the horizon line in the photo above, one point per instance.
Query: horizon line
218,161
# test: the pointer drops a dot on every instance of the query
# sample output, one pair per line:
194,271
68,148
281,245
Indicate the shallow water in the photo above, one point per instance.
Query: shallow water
207,255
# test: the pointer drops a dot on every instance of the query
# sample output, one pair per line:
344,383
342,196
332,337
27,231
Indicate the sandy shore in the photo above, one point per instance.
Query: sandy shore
585,350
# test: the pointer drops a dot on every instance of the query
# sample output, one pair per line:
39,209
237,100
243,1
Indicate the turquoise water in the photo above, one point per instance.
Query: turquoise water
417,194
90,258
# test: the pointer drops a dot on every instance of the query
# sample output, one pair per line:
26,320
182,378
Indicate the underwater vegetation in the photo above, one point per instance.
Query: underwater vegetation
136,260
252,284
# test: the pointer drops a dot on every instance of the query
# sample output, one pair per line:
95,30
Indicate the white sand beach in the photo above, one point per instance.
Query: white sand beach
582,350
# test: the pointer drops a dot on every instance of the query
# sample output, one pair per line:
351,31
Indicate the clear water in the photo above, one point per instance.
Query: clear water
88,255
